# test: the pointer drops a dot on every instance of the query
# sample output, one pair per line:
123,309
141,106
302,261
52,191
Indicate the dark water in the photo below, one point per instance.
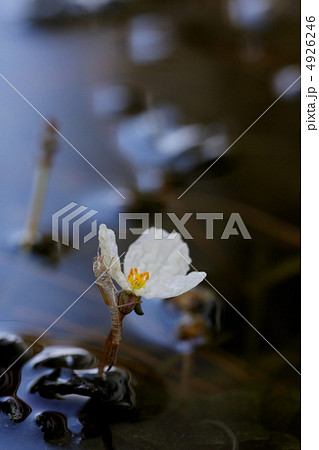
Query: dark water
152,94
56,396
53,396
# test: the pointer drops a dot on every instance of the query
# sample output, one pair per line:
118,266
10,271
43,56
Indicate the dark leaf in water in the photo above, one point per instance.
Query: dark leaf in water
113,388
11,347
16,409
68,357
8,382
54,427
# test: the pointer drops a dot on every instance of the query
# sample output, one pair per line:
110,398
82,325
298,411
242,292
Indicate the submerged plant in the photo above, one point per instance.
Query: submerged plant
155,266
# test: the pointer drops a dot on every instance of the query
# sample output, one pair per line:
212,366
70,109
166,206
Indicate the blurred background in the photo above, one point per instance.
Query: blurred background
152,93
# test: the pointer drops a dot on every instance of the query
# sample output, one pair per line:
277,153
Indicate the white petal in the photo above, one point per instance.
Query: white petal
159,257
172,286
110,255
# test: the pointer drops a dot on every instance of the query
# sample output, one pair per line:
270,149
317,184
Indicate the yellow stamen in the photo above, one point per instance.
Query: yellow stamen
137,280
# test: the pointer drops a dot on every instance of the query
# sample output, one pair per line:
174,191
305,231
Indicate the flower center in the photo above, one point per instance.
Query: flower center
137,280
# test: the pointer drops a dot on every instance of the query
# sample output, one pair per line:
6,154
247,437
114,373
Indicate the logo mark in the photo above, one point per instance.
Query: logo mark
76,224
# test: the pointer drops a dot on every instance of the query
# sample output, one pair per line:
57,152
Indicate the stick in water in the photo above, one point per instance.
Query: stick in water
40,183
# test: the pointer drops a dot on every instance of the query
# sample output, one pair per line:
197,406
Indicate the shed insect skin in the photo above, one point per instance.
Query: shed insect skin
120,306
107,289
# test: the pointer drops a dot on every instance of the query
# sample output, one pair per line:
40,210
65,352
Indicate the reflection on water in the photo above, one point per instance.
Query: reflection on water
138,136
180,140
251,14
181,323
152,97
150,38
115,99
283,78
59,11
156,141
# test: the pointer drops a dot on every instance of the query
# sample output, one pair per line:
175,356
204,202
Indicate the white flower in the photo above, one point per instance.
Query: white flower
153,268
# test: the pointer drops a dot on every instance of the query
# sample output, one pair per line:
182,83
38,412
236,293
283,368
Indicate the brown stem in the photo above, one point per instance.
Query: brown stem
110,352
106,350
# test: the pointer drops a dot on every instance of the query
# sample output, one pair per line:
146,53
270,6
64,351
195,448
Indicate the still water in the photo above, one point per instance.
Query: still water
151,94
